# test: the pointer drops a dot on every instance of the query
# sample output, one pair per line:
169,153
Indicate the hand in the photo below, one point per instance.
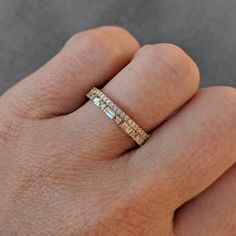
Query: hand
67,169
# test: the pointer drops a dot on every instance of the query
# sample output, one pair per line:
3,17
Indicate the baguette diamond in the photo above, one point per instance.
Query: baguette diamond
110,113
126,127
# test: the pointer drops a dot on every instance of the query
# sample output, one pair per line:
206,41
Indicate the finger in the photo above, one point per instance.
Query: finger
159,80
193,149
214,210
88,59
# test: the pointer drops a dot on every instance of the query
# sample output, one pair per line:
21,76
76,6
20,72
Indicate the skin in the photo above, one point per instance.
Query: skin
67,170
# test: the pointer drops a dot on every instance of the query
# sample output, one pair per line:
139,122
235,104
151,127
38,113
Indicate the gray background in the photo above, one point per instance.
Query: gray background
32,31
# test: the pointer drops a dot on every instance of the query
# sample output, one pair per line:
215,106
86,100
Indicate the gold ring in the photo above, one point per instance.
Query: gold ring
118,116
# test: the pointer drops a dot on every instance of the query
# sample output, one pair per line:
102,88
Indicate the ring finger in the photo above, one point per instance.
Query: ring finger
159,80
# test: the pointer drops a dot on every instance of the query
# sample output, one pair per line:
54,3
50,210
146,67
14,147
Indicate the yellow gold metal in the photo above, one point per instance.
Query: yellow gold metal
118,116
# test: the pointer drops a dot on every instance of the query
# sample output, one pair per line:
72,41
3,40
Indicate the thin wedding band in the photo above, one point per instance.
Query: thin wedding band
118,116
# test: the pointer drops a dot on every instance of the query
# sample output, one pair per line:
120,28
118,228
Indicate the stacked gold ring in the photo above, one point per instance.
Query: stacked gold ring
118,116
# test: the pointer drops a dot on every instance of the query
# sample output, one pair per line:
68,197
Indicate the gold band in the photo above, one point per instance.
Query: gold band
118,116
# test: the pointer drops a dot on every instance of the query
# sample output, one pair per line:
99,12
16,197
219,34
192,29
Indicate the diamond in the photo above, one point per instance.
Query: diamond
103,105
126,127
126,118
122,114
114,107
118,120
110,113
97,101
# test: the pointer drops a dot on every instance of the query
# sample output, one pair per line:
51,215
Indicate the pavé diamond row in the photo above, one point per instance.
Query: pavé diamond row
118,116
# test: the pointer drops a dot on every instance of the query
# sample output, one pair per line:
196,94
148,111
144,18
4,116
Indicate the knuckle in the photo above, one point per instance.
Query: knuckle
115,30
229,93
165,49
173,60
104,39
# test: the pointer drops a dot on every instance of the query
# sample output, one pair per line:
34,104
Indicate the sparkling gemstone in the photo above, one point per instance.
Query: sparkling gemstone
118,120
122,114
126,127
97,101
103,105
108,101
118,111
110,113
126,118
